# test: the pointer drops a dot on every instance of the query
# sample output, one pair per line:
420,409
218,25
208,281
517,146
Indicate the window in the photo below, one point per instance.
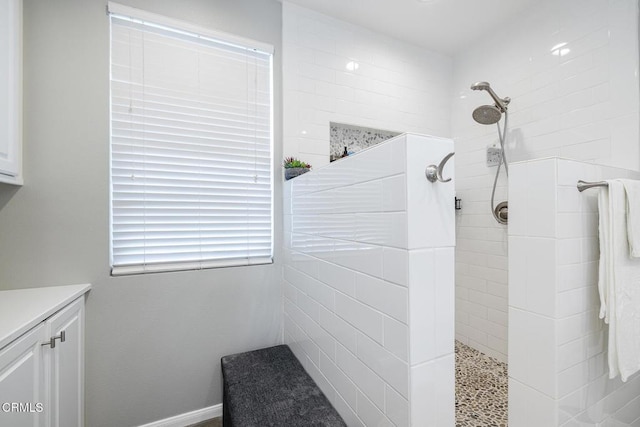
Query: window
191,144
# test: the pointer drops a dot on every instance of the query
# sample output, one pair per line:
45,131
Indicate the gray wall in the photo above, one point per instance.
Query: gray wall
153,342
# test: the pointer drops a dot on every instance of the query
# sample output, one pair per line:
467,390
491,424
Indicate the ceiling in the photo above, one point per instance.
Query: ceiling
441,25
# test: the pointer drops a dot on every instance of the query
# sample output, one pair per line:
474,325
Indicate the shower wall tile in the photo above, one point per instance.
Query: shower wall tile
338,72
396,407
367,380
445,298
541,203
557,343
363,307
362,317
532,287
530,408
395,266
387,297
583,105
434,391
369,412
396,338
428,207
530,338
422,304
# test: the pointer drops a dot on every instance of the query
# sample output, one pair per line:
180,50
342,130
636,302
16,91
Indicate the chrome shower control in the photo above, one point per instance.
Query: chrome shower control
502,212
494,156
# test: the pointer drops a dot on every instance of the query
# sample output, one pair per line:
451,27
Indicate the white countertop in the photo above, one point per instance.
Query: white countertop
22,309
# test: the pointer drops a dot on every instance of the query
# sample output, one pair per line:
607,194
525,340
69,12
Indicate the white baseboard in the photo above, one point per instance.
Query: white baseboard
189,418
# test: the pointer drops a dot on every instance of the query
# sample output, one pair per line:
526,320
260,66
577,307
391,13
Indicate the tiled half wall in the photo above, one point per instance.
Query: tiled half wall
558,374
369,286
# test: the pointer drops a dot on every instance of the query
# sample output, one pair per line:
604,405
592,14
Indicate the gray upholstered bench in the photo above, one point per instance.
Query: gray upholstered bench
269,387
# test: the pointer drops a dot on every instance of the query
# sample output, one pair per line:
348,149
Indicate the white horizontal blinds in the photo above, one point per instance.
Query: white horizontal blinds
190,150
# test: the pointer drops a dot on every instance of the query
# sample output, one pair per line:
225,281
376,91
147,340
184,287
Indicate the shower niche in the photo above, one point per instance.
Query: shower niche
346,139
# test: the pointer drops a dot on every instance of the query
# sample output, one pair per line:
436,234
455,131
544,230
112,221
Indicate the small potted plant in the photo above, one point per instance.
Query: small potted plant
294,167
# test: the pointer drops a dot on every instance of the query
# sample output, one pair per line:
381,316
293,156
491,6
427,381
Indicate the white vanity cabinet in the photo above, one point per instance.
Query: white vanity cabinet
21,379
42,357
64,367
11,91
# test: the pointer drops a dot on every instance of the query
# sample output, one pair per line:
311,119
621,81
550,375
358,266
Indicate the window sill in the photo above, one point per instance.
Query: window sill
129,270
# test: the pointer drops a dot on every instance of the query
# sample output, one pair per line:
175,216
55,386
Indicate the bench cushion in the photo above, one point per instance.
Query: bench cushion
269,387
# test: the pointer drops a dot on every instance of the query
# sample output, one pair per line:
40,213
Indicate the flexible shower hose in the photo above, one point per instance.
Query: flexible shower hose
502,134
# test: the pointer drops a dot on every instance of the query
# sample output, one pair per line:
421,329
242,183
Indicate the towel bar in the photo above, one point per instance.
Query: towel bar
584,185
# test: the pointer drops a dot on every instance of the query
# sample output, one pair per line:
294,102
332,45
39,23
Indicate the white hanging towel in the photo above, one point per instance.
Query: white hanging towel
632,191
605,276
605,267
619,283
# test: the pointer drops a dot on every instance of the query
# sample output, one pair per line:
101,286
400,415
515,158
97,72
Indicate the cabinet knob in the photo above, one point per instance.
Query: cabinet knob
52,340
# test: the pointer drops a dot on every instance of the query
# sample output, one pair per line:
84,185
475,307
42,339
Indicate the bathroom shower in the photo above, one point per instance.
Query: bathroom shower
488,115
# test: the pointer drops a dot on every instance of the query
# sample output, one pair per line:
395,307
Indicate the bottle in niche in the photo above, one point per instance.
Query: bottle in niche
345,153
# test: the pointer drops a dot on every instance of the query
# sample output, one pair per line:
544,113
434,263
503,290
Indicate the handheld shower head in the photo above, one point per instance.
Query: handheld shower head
501,103
480,86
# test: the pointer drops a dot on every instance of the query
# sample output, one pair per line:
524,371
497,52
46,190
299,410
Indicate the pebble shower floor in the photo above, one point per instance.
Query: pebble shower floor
481,389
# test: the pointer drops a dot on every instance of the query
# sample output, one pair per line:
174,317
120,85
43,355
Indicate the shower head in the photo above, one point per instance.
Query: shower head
487,114
501,103
480,86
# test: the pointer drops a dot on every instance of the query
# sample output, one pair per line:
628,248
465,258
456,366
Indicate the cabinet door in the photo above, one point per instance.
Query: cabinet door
21,381
65,365
11,91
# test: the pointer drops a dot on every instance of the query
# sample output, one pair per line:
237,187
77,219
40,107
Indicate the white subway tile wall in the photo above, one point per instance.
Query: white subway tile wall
557,343
580,101
334,71
369,311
